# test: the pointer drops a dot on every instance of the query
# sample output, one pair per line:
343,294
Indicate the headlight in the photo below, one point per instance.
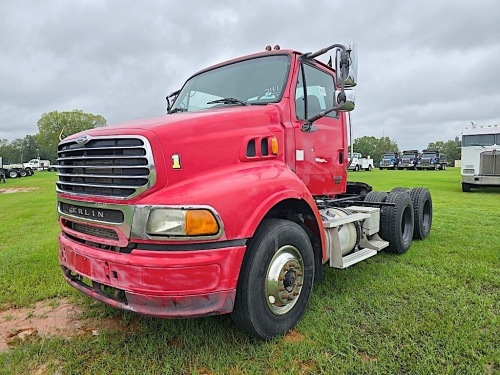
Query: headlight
177,222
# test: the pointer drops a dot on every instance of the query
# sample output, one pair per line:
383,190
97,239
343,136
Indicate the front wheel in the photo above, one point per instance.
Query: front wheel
275,281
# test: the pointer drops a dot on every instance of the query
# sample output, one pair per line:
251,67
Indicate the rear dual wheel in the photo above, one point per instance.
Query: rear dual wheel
275,281
422,208
396,222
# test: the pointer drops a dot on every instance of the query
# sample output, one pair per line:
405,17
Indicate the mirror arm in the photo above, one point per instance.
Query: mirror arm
308,125
310,55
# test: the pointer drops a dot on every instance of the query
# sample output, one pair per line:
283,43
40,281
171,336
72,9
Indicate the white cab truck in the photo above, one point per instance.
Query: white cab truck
40,164
480,157
358,162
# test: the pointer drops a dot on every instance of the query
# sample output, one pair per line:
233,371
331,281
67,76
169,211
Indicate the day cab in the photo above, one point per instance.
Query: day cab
220,206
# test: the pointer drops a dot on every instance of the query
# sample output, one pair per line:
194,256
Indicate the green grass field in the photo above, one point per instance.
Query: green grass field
433,310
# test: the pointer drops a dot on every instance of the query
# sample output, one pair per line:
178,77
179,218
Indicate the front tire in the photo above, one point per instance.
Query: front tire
275,281
466,187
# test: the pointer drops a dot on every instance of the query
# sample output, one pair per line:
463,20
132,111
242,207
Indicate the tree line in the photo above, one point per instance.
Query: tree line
376,147
51,126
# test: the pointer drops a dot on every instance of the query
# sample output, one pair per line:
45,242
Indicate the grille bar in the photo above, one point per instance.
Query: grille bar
96,176
120,167
97,157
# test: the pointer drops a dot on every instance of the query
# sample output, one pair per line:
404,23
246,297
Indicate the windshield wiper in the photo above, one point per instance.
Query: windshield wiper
178,109
228,101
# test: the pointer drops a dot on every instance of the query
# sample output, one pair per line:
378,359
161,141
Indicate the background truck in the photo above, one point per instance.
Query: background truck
41,165
432,159
390,160
409,159
233,201
480,157
357,162
14,170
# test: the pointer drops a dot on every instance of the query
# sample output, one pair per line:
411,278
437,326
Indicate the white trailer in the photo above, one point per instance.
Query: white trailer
480,156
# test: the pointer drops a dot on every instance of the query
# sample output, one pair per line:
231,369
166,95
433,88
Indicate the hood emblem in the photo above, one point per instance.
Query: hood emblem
83,139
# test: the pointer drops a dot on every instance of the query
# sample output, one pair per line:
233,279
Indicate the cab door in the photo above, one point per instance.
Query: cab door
320,149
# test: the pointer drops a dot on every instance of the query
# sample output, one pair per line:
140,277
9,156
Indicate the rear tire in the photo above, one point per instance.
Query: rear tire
376,196
275,281
422,209
396,222
13,174
400,190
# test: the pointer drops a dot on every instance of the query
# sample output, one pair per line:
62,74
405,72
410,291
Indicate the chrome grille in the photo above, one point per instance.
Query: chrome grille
490,164
119,167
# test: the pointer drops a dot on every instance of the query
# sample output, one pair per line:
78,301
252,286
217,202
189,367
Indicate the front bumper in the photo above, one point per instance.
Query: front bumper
481,180
165,284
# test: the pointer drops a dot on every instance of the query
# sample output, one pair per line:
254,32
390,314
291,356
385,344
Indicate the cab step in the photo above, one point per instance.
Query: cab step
356,257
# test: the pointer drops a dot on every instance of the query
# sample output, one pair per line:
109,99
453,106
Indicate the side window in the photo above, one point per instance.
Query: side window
318,92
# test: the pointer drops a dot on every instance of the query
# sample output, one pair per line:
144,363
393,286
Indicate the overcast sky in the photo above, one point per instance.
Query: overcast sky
426,68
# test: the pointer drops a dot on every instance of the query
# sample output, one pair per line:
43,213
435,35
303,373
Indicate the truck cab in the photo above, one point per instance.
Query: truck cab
390,160
409,159
432,159
480,158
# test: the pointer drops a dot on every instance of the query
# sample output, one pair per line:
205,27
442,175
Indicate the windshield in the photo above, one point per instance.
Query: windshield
255,81
480,140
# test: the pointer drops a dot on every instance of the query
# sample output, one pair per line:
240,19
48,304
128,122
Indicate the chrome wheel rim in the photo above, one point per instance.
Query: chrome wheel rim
284,279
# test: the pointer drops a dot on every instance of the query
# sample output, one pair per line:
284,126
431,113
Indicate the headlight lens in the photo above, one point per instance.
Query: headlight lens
176,222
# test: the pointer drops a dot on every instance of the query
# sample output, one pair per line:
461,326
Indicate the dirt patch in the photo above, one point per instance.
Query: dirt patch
16,190
293,337
50,318
366,358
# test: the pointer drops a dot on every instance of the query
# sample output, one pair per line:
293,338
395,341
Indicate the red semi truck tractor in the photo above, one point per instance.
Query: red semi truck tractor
232,202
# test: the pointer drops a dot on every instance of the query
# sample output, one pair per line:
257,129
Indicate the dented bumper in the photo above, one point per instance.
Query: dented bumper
165,284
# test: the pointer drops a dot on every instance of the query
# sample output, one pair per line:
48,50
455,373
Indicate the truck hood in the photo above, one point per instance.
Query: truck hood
183,120
188,146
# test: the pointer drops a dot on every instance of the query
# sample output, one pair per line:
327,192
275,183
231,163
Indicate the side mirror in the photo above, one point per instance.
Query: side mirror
345,100
346,65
